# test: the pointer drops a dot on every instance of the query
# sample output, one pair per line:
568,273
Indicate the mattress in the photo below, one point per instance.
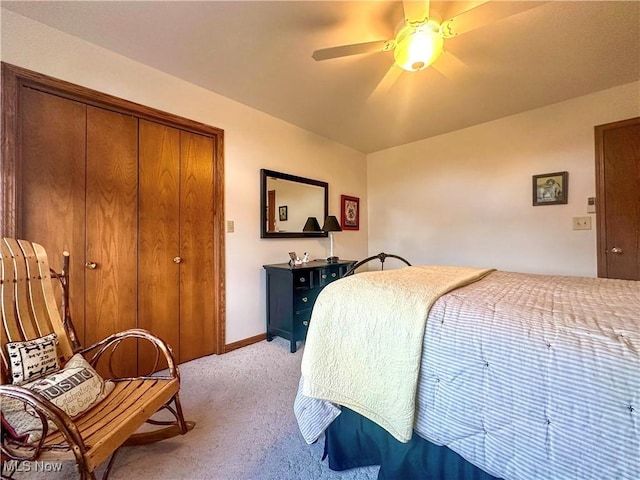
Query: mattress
529,377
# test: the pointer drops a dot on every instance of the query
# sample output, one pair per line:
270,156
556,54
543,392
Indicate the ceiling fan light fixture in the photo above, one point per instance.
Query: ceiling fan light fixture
417,47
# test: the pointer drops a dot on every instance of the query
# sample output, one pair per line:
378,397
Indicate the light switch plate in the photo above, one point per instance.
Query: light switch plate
582,223
230,226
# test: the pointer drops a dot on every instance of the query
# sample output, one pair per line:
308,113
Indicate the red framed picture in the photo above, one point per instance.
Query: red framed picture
350,213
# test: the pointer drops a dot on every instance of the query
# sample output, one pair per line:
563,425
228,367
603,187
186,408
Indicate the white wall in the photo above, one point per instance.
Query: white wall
253,140
465,198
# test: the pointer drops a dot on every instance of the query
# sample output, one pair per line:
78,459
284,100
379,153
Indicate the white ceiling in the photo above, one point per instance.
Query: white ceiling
259,54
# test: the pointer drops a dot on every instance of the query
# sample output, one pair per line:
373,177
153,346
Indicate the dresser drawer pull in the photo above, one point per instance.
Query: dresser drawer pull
302,279
333,274
324,276
305,299
306,323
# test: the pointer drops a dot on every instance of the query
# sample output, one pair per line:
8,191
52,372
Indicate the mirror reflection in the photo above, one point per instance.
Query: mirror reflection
288,201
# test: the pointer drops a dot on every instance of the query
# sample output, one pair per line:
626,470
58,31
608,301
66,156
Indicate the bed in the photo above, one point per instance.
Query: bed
498,375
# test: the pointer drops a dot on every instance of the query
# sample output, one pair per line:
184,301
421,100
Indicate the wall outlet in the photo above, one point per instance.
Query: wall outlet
230,226
582,223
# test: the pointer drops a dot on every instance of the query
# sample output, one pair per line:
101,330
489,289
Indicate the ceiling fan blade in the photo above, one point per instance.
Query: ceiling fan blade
450,66
483,14
387,82
347,50
415,11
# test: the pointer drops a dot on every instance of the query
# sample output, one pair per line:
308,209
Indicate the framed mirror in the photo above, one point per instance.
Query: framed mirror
287,202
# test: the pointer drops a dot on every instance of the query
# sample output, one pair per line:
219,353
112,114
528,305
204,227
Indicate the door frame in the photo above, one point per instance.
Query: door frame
601,213
14,78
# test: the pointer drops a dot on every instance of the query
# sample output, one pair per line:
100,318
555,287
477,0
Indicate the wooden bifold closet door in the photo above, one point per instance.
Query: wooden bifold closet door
133,202
79,193
111,231
52,185
175,232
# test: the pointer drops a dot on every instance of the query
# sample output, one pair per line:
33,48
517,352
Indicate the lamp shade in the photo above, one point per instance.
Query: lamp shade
331,224
312,225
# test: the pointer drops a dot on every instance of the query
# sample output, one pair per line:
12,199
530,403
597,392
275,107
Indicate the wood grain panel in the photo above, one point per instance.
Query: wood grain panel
53,185
158,214
197,280
111,223
621,149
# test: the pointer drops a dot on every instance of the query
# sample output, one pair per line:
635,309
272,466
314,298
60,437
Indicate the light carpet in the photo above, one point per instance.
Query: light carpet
242,403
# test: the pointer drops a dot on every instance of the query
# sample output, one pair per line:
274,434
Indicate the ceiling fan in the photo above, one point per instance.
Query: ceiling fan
420,38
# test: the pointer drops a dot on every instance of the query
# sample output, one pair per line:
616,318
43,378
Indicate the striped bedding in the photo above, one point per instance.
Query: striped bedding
528,377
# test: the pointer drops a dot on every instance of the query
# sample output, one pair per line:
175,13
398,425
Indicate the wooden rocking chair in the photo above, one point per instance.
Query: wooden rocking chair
29,311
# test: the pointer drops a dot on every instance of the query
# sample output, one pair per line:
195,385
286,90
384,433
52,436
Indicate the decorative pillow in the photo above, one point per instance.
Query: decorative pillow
75,389
33,359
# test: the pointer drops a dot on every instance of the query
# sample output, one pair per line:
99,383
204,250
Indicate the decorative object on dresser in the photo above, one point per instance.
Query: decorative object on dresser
291,293
331,225
350,212
295,259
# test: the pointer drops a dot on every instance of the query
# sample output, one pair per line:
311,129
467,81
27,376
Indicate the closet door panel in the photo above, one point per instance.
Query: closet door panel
53,185
111,223
159,213
196,247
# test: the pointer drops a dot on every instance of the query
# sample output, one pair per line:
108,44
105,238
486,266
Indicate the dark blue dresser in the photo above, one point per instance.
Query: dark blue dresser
291,293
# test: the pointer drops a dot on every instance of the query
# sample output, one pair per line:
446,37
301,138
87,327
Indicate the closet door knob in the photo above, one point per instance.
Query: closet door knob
616,250
91,265
177,260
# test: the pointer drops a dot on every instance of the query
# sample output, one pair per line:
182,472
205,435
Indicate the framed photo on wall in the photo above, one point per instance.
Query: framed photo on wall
282,213
350,213
550,188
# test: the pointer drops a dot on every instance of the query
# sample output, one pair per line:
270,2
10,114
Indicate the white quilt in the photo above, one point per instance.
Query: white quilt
364,342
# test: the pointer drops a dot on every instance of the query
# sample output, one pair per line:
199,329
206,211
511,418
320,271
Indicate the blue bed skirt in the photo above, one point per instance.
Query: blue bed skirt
354,441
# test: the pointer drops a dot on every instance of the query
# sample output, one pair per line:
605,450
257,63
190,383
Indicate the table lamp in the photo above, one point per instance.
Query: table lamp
331,225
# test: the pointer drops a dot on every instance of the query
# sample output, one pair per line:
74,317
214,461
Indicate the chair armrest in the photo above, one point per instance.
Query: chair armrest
45,410
110,344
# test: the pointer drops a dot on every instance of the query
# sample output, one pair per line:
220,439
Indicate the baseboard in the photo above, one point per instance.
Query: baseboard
245,342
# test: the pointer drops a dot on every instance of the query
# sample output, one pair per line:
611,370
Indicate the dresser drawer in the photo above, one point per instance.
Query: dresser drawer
303,279
304,299
301,321
328,275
